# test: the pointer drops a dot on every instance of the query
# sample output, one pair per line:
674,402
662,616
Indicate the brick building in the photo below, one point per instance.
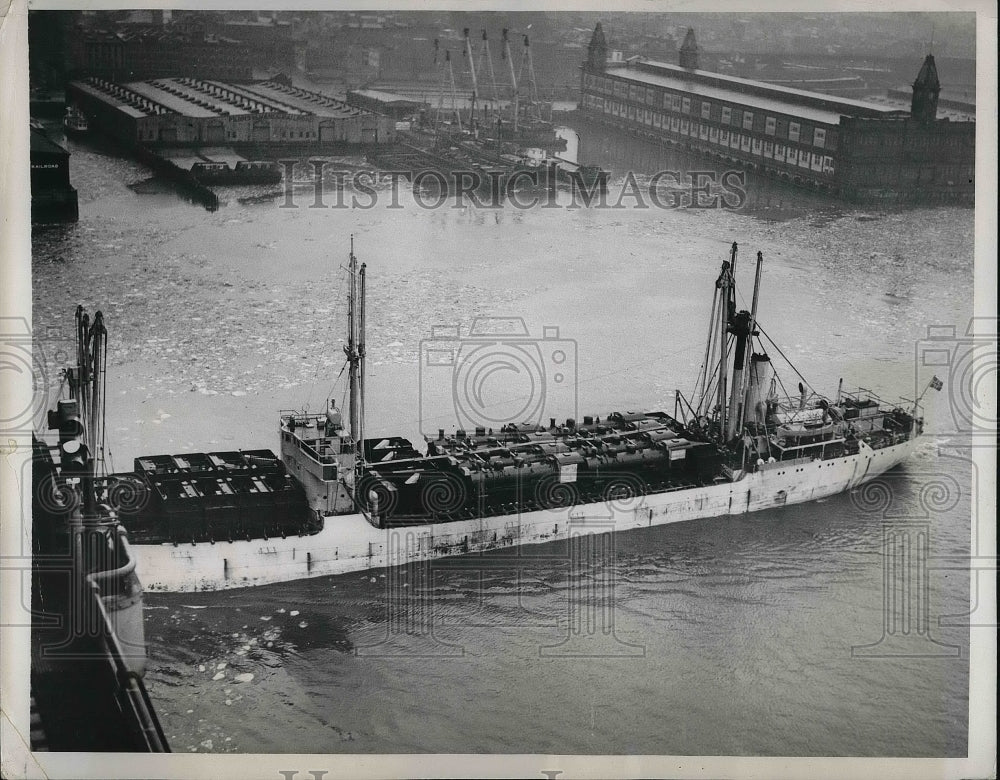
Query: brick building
859,150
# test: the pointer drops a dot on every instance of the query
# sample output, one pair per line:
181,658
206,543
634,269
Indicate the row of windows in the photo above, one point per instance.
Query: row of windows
733,139
727,115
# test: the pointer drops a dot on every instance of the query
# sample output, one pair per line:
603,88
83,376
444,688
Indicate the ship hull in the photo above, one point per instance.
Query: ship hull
349,543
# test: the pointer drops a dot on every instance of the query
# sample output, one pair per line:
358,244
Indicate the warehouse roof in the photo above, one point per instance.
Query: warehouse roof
813,106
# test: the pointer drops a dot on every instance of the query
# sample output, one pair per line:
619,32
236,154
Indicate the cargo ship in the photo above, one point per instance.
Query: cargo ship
337,502
88,647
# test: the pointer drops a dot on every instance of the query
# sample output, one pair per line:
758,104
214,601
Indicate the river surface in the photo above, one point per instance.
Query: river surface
744,635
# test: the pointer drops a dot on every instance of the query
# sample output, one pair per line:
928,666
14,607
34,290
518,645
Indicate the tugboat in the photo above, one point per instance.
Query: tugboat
75,122
88,648
737,446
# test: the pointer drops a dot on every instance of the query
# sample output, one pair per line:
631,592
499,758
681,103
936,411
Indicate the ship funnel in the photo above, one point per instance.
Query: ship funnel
761,374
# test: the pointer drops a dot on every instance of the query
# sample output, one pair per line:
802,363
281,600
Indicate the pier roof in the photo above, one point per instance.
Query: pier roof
173,102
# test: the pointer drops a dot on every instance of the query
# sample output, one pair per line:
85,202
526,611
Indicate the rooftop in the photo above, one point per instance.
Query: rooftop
385,97
814,106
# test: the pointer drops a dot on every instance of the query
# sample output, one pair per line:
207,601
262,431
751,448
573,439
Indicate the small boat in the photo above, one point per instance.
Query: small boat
75,122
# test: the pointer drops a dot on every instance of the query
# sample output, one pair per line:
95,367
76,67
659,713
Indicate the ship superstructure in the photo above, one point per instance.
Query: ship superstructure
738,424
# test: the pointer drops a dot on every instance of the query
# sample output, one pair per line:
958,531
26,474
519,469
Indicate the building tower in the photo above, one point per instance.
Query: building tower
597,51
689,51
926,89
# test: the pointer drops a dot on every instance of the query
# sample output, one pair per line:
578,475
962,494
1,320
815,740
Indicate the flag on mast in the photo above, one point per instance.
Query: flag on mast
936,383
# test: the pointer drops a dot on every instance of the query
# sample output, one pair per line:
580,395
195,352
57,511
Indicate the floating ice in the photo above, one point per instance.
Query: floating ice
221,666
303,624
245,677
294,612
219,676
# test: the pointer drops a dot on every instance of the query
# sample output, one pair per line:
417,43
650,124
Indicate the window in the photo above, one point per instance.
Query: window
819,138
769,148
727,115
668,100
769,125
657,121
748,120
706,109
686,106
793,131
779,152
650,96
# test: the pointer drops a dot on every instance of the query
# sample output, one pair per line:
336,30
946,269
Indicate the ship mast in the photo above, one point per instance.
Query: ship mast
534,104
744,388
454,96
515,98
80,420
475,83
355,351
725,284
495,94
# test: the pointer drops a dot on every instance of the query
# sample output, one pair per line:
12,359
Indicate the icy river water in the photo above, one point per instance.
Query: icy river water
745,635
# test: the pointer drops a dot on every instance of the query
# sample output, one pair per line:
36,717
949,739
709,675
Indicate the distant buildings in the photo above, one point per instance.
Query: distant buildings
154,52
859,150
192,112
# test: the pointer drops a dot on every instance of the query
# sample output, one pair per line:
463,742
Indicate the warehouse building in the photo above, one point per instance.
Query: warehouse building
860,150
398,107
193,112
53,198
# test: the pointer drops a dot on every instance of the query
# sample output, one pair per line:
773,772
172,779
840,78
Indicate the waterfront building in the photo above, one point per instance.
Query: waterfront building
191,112
856,149
53,198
